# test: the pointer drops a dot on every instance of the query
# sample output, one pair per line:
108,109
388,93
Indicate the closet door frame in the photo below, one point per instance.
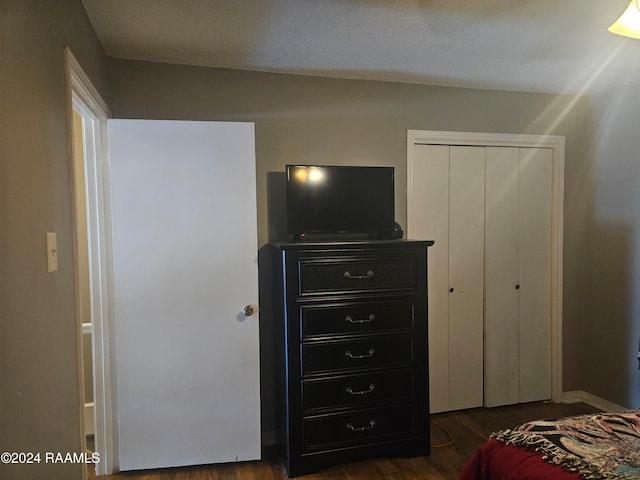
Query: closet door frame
557,146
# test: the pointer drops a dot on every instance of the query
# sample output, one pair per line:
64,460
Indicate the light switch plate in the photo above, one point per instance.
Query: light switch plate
52,252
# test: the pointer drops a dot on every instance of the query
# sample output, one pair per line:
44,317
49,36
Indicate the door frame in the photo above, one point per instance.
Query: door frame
83,97
557,145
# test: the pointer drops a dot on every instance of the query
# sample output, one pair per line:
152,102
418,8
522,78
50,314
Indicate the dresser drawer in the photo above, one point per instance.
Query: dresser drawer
356,318
360,427
340,275
351,390
356,354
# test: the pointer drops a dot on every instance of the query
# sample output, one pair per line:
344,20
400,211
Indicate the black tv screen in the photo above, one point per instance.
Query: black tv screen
340,199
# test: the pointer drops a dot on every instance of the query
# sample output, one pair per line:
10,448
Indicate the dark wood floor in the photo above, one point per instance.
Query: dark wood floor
469,429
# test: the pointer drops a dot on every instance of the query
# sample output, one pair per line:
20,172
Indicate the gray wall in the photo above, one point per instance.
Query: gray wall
333,121
320,120
39,388
612,257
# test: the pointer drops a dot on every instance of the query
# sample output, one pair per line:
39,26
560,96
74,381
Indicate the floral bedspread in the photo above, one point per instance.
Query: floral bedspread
596,446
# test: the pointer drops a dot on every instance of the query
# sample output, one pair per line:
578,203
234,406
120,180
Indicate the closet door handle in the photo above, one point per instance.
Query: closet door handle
366,355
451,289
517,286
369,274
370,318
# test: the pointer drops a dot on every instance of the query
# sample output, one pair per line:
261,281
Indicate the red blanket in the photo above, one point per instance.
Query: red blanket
495,460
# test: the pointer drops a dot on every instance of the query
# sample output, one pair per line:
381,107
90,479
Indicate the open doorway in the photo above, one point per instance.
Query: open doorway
93,266
83,286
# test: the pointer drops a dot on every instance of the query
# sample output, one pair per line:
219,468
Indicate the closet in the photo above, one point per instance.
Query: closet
492,204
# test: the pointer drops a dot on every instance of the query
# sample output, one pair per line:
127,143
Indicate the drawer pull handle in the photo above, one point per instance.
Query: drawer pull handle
370,318
369,274
372,387
366,355
372,423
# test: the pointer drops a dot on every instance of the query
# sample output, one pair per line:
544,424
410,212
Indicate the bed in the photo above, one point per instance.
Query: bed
590,447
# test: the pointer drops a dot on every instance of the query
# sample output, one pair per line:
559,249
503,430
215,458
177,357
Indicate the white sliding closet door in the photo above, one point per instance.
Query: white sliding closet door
466,244
495,271
501,377
535,274
518,275
431,221
448,208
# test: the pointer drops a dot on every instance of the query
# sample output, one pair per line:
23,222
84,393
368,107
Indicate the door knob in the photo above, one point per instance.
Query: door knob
248,310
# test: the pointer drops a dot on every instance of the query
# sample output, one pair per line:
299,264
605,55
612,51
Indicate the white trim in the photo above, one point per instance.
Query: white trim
557,145
89,419
590,399
84,98
432,137
82,86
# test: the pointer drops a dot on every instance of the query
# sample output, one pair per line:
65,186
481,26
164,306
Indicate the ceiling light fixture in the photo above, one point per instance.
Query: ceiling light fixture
628,25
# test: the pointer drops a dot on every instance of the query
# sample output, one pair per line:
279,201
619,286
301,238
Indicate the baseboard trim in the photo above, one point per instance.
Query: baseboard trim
590,399
89,418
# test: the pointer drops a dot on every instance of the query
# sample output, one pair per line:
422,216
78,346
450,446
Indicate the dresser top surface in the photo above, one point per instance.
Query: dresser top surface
353,244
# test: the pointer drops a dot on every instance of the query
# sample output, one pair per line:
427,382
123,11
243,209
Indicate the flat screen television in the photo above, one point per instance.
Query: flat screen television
340,199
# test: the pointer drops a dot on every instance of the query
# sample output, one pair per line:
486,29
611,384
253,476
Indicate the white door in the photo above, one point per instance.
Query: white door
535,274
502,339
522,260
429,220
447,201
185,253
466,283
518,275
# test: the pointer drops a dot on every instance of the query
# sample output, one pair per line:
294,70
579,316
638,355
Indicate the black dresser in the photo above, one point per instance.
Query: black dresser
353,320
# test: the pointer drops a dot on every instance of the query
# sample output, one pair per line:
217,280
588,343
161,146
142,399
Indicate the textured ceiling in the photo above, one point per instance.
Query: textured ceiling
558,46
